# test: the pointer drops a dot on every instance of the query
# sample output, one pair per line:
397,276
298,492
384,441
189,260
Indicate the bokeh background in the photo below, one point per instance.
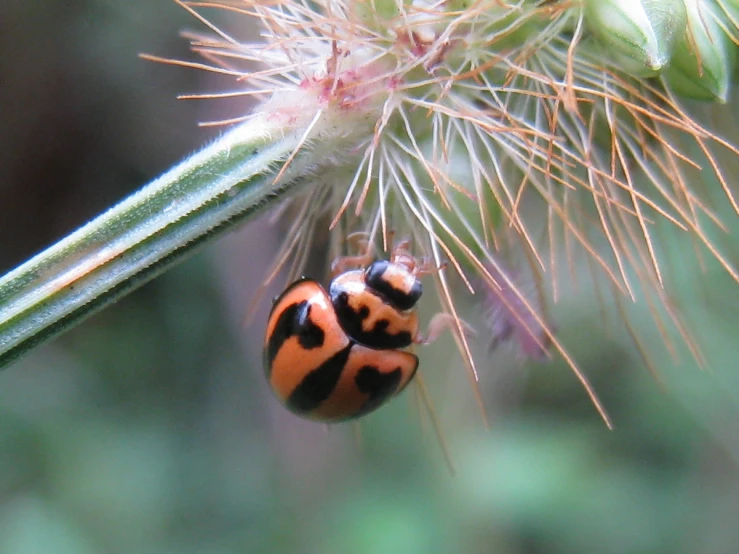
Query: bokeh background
150,429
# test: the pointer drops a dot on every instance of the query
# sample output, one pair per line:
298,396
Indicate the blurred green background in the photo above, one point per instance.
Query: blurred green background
150,429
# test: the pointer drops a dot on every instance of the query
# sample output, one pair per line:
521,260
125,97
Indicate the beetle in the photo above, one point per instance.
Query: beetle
338,354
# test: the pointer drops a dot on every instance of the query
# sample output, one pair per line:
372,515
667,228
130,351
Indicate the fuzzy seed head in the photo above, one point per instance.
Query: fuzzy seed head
447,121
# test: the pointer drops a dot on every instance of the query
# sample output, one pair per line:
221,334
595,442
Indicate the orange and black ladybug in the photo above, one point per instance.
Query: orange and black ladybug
337,355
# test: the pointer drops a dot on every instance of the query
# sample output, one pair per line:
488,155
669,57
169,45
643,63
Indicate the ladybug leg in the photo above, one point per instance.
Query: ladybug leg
342,263
403,246
360,238
427,265
440,323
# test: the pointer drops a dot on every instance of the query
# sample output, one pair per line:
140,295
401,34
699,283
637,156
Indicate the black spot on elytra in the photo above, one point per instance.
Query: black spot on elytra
294,321
318,385
378,337
374,277
381,325
379,386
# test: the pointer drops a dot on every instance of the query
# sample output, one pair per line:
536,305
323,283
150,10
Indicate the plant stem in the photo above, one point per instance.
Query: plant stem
222,185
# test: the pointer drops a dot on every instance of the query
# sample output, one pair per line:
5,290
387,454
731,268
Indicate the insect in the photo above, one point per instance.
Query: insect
339,354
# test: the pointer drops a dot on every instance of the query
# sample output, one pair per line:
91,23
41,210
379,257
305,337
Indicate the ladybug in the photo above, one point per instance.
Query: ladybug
339,354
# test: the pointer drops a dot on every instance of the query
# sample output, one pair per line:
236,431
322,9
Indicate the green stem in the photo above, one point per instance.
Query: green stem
222,185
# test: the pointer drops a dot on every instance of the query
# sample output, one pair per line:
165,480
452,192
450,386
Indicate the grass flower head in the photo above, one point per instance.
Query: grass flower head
447,121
